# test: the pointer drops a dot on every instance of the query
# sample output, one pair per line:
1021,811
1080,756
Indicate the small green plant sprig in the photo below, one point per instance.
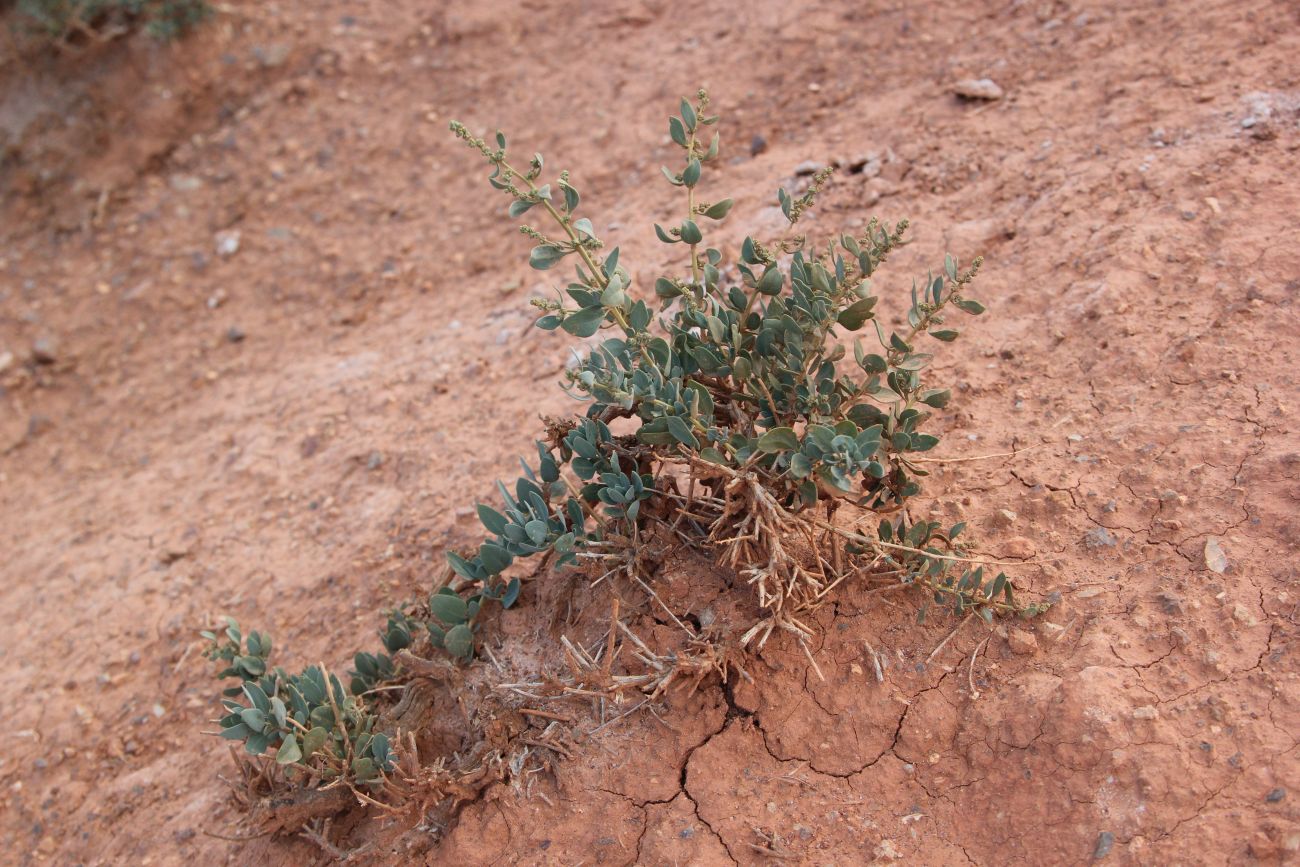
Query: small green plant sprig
319,730
743,395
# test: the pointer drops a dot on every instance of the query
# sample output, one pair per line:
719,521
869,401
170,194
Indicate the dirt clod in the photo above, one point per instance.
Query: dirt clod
1017,548
1022,642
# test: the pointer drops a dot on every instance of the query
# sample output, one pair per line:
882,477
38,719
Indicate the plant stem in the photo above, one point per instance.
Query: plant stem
690,208
597,273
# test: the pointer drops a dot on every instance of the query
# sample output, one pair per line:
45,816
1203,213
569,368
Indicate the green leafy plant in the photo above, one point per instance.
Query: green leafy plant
753,422
729,406
318,730
60,21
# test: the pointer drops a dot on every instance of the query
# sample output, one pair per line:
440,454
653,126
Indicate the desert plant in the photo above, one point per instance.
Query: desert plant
61,20
753,424
748,428
319,730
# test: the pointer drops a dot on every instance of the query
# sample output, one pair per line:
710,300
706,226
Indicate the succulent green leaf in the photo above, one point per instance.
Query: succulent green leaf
713,455
511,593
492,519
459,641
778,439
448,609
719,210
664,236
545,256
494,558
571,198
771,281
313,740
536,531
936,397
677,131
236,732
691,174
466,569
681,431
856,314
584,323
289,751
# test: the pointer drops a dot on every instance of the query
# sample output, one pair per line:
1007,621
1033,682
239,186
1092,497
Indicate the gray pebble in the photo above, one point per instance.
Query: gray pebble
1099,537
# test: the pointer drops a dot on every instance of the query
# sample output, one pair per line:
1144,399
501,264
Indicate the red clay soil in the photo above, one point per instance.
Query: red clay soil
292,432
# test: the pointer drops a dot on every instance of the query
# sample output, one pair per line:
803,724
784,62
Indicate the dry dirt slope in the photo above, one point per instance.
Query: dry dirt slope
1134,194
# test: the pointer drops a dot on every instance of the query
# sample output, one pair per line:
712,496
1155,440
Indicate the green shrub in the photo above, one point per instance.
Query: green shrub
60,20
752,418
754,422
317,729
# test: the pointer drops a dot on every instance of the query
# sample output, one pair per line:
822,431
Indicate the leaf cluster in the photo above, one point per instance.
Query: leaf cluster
750,363
59,21
317,728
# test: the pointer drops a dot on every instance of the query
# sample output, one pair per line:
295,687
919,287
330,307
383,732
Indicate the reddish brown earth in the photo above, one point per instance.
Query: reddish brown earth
1135,194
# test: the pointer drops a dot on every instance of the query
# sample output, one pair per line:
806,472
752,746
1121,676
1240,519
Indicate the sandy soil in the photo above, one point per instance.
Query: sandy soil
292,432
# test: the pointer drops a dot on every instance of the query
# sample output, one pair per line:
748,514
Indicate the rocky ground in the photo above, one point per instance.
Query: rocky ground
264,337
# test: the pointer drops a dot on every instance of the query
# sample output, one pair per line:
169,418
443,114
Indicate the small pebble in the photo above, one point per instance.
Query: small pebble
1105,840
757,145
1215,560
977,88
1099,537
235,334
1170,603
45,350
1276,795
227,242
